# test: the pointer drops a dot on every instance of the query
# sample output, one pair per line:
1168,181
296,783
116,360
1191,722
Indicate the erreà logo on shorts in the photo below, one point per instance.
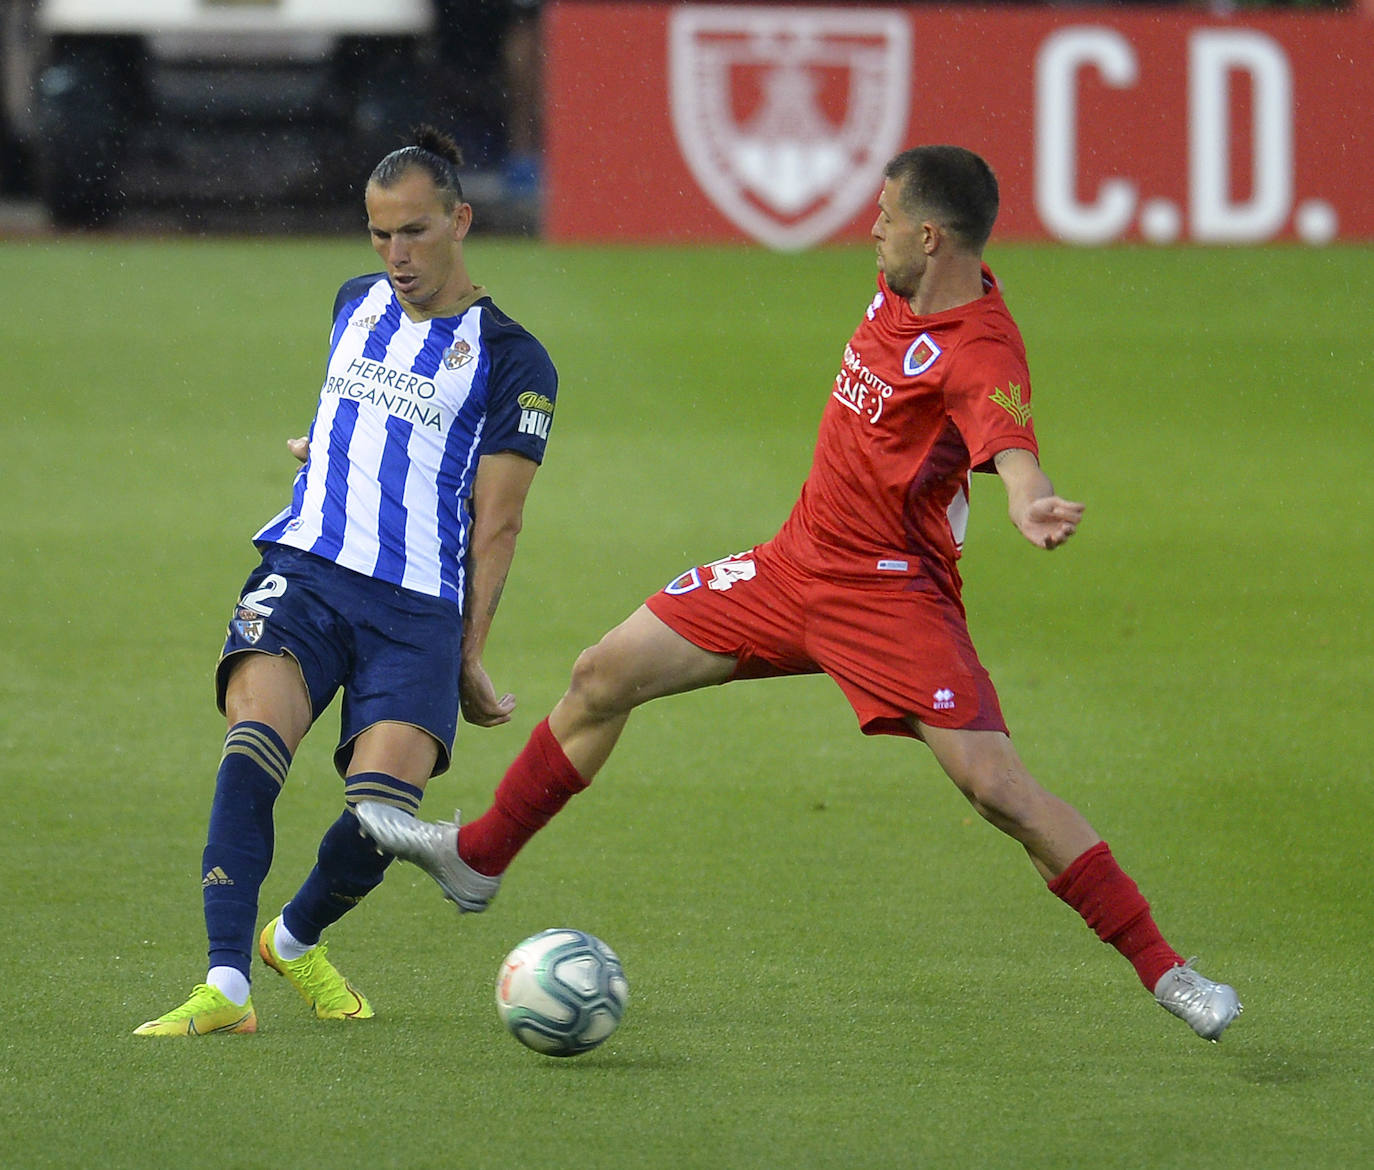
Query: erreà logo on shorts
536,414
786,116
944,699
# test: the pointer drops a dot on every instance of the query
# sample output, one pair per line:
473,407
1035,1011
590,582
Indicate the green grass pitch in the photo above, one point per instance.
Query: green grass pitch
832,962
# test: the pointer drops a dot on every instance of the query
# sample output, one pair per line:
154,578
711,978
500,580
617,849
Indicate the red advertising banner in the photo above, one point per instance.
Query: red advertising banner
772,122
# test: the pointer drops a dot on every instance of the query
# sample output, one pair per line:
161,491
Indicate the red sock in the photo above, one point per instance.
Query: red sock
1112,904
539,783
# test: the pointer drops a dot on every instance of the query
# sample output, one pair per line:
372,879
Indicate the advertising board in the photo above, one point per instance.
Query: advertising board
772,122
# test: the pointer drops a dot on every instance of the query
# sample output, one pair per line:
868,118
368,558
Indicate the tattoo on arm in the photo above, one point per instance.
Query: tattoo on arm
1001,456
496,596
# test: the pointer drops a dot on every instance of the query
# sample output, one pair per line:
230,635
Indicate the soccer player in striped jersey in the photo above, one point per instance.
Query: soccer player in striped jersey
379,579
862,582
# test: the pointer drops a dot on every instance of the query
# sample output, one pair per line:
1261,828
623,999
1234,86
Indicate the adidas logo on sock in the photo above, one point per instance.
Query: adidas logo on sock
217,877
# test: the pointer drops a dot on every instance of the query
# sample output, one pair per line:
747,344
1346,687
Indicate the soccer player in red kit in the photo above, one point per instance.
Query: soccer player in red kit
861,582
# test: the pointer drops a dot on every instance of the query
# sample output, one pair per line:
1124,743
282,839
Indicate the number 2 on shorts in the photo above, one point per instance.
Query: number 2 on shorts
273,585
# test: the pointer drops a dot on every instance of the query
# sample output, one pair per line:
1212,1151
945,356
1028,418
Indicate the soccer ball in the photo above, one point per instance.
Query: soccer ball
561,992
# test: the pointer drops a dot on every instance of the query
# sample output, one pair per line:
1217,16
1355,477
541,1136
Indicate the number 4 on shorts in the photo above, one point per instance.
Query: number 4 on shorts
726,572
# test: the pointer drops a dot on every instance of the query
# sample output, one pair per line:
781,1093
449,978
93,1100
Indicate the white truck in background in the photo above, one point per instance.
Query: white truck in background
193,103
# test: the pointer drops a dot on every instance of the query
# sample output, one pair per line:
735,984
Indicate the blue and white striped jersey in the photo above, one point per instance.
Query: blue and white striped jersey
406,410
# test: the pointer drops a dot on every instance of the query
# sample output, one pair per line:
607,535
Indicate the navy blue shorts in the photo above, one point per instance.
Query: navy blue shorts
394,652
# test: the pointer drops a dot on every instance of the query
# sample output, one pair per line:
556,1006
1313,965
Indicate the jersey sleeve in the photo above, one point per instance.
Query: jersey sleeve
349,294
989,400
352,291
521,395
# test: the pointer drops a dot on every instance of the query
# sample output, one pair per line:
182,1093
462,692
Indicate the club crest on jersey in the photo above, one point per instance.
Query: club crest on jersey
458,355
923,354
786,115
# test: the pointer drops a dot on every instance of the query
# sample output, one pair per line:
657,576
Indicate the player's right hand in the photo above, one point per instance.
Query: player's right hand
300,448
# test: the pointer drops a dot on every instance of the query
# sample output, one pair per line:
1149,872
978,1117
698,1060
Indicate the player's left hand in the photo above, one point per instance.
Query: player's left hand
1049,521
478,699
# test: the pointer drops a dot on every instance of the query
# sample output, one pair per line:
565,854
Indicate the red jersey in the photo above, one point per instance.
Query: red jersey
917,404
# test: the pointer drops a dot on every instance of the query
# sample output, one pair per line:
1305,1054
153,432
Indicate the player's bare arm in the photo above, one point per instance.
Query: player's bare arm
503,481
1042,517
498,503
499,493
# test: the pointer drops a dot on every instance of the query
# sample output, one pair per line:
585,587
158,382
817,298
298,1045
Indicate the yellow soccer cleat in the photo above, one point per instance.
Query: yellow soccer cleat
317,979
208,1010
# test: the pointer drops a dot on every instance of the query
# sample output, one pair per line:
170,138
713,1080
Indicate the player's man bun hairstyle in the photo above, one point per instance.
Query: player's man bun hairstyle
950,185
433,152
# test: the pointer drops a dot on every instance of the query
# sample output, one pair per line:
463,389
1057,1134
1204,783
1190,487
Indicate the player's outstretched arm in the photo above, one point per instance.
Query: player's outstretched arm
1043,518
498,504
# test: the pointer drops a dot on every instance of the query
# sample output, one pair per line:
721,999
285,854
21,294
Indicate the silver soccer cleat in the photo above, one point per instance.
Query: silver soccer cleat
431,846
1207,1007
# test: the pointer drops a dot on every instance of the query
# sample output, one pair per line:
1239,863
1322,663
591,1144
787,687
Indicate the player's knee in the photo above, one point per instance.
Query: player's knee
997,785
596,685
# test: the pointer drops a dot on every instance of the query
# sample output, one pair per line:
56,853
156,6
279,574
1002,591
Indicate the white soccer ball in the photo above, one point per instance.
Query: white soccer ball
561,992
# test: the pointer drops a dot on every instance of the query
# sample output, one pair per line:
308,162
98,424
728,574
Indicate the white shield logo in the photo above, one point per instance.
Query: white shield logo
786,116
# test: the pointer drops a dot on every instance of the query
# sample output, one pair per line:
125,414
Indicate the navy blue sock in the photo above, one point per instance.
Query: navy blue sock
348,867
238,846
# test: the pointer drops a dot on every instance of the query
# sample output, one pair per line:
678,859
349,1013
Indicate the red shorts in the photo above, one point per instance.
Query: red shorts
894,652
